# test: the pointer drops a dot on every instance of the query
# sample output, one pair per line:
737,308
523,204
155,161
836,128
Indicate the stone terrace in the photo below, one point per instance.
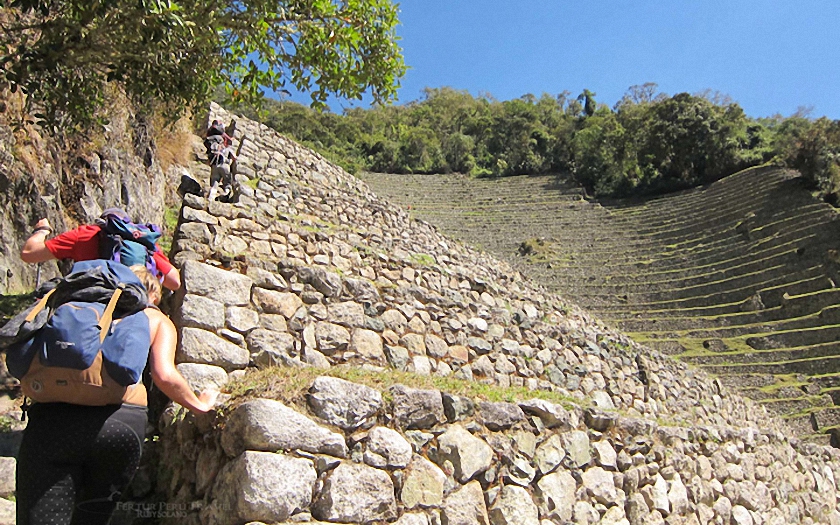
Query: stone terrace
737,277
309,268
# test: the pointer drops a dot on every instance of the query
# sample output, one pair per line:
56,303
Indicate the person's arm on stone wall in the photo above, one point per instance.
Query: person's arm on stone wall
172,280
163,370
171,275
35,249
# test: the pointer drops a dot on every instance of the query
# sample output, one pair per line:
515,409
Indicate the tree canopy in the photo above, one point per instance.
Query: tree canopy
65,53
648,143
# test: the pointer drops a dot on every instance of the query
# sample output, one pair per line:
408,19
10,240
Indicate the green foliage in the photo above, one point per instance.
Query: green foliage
601,161
422,259
170,224
648,143
64,53
10,305
816,154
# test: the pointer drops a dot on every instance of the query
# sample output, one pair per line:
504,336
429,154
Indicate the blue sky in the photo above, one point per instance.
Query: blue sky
770,56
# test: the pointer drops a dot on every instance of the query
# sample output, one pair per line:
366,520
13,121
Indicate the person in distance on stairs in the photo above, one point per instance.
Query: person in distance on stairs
220,156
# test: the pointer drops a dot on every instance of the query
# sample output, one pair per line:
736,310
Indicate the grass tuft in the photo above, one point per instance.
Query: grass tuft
290,385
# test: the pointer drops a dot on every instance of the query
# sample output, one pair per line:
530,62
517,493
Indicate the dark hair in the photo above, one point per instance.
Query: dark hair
216,128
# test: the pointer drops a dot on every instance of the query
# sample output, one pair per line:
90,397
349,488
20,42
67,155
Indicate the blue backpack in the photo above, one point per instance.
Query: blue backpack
128,243
92,344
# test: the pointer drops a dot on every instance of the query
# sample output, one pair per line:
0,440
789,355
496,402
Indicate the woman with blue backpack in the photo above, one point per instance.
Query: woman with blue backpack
80,356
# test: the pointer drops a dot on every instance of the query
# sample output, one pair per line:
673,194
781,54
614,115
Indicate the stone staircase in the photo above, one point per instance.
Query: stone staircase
737,277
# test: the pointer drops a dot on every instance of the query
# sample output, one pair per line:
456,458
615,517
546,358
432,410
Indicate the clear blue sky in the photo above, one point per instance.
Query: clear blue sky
770,56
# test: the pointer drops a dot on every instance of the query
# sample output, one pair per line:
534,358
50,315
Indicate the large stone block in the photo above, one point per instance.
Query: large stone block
465,506
357,494
274,302
268,425
514,506
367,343
423,484
203,377
556,493
344,404
499,416
415,408
348,313
331,338
224,286
468,454
203,347
268,347
387,448
260,486
201,312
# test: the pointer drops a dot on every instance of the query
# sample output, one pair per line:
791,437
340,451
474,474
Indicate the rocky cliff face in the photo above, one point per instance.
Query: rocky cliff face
37,179
309,269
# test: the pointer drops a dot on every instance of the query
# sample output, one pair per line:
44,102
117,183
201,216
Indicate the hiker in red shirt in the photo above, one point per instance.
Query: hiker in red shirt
82,244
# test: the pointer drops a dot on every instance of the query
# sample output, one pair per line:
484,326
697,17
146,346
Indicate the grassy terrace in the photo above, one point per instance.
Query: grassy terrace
738,277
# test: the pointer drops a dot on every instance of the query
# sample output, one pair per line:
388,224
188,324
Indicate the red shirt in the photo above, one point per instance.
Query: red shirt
82,244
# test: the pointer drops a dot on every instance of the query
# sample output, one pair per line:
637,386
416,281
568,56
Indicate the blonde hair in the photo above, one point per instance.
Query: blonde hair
149,281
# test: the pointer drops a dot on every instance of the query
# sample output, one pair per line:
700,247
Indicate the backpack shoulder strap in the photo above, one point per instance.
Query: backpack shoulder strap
108,314
38,307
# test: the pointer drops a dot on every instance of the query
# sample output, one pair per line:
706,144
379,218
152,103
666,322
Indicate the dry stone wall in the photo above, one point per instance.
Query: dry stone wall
308,268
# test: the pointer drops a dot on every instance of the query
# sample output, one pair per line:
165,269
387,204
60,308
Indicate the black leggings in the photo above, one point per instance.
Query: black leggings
75,461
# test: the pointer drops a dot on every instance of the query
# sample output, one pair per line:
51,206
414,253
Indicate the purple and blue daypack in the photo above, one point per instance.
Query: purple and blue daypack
129,243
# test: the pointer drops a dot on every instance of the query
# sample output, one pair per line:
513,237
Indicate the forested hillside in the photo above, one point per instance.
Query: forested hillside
648,143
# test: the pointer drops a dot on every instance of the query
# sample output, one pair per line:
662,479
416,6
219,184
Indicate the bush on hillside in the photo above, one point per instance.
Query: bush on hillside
816,155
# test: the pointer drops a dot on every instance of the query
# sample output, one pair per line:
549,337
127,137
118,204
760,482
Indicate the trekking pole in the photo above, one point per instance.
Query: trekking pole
38,275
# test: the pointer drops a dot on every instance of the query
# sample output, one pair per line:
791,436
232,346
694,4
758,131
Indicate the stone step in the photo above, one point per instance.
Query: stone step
801,405
827,417
811,336
827,316
747,275
810,366
805,238
768,295
720,353
792,306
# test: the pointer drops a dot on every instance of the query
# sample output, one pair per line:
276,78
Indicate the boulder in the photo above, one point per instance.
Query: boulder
356,493
417,409
261,486
423,484
499,416
387,448
226,287
556,493
201,346
465,506
468,454
268,425
343,403
514,506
